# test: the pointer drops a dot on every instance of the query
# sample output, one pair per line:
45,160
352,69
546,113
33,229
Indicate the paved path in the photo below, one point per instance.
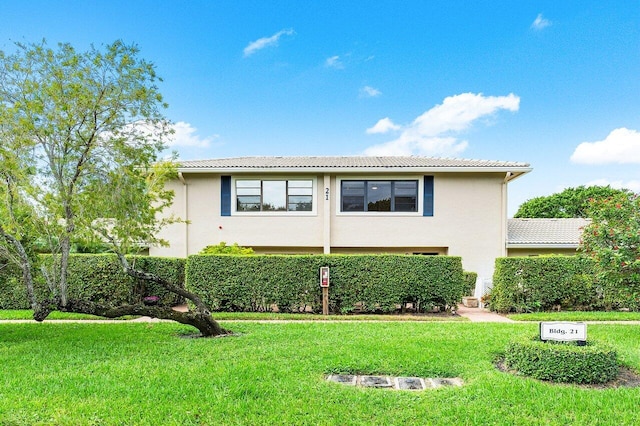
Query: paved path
481,315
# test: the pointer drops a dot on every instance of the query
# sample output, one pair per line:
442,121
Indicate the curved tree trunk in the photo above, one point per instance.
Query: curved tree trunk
204,322
200,318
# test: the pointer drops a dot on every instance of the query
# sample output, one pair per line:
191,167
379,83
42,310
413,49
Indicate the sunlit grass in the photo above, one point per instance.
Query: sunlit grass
147,374
577,316
252,316
27,314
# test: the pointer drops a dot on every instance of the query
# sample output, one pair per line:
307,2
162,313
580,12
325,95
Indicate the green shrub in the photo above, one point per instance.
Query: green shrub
376,283
564,362
529,284
469,283
99,278
223,248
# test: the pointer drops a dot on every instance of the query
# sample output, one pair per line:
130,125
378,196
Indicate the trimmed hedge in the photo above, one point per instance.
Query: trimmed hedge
374,283
469,283
529,284
13,294
99,278
564,362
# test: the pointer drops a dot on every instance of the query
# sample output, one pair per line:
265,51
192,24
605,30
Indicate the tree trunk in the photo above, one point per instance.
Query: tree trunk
25,266
205,323
65,249
200,318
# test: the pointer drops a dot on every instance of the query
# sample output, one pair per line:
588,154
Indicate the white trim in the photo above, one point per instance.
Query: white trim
314,196
542,245
516,170
420,201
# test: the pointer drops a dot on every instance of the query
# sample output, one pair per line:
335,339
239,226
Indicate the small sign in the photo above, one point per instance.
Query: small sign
563,331
324,276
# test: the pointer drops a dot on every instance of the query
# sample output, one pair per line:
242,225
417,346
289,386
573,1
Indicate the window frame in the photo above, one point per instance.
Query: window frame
391,178
287,179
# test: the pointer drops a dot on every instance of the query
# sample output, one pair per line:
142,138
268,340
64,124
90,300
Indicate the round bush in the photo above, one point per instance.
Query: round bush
564,362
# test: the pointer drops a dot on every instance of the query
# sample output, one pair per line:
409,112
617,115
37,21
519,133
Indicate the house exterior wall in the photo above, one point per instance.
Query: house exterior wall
468,220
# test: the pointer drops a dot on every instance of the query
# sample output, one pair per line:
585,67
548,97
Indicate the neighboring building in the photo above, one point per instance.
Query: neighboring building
534,237
409,205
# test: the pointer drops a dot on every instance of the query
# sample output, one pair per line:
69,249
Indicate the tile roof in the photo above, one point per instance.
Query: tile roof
545,232
344,163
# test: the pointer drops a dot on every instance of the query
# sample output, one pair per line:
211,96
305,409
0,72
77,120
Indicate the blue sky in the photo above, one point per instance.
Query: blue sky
552,83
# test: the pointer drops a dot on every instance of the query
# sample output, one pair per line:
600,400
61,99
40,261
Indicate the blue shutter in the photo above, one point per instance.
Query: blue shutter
225,195
427,206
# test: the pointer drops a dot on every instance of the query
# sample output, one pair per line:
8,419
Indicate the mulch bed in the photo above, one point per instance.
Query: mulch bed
627,378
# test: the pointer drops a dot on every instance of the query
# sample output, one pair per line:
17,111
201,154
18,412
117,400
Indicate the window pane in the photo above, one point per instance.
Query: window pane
300,203
248,203
300,184
274,194
248,191
406,196
352,196
379,196
405,204
247,183
300,191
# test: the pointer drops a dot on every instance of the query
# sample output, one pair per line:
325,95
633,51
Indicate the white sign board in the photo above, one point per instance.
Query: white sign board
324,276
563,331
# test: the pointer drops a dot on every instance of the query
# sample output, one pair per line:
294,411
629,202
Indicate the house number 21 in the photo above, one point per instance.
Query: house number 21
326,194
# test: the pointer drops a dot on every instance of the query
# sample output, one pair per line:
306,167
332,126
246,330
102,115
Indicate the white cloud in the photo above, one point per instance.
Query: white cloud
633,185
429,134
264,42
621,146
369,92
383,126
540,23
186,135
334,62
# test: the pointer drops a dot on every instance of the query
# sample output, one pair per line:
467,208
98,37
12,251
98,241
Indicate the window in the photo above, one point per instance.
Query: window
274,195
379,195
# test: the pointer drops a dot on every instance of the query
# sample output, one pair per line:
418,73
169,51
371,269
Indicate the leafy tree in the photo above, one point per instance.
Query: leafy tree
612,239
572,202
81,133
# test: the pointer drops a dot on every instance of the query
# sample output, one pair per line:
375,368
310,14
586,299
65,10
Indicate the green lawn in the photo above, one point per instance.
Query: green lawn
145,374
252,316
21,314
577,316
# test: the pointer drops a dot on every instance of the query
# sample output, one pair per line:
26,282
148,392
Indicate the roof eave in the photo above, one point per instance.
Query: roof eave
516,170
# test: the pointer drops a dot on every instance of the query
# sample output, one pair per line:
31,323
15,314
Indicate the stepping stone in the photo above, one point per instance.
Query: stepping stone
376,382
345,379
410,383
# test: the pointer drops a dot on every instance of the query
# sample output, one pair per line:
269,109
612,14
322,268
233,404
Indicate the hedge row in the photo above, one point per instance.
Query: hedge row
370,283
528,284
469,283
100,279
563,361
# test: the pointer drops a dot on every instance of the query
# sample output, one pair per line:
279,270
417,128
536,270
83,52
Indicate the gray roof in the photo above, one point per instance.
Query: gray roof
540,233
349,163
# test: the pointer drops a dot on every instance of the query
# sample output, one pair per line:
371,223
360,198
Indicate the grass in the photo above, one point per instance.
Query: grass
27,314
145,374
577,316
252,316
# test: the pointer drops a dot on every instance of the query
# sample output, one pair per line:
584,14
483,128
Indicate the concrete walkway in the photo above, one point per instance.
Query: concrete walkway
481,315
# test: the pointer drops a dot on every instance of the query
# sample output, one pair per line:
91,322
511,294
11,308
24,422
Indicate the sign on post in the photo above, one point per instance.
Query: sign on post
324,276
324,284
563,331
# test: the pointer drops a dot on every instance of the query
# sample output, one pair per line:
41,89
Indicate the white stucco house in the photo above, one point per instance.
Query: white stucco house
414,205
